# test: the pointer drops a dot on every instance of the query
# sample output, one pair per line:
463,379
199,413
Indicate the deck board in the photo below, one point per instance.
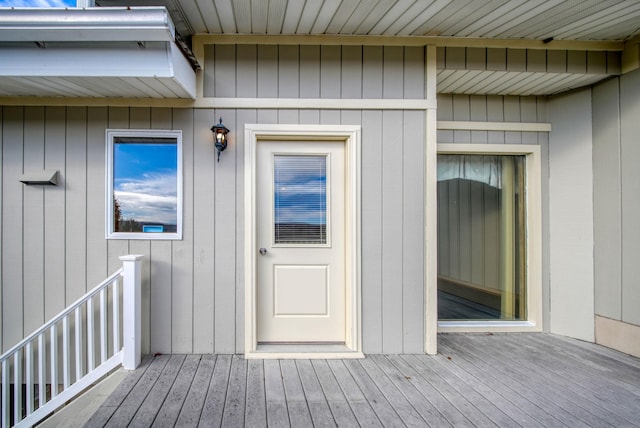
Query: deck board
477,380
189,414
255,414
499,382
569,378
212,409
408,414
342,412
235,403
174,401
151,405
127,410
319,410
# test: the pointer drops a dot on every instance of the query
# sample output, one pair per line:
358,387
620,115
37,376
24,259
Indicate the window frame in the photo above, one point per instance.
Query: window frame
111,135
533,236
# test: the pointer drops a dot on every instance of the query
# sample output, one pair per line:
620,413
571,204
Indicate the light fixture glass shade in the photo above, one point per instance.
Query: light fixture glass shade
220,136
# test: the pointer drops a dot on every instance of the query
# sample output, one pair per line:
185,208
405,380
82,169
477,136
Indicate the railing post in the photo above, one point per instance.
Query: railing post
131,316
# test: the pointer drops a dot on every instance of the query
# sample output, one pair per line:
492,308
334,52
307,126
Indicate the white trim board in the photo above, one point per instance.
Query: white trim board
493,126
230,103
351,135
317,103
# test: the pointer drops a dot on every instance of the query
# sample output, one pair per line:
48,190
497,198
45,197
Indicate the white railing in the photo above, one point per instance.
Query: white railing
74,349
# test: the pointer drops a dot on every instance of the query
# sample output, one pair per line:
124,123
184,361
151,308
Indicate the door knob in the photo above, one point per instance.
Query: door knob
263,251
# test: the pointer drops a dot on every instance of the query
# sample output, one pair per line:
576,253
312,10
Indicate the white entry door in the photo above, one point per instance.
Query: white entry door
301,286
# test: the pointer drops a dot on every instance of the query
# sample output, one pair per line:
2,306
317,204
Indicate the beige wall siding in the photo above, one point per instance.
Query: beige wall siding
571,216
630,154
616,203
607,199
54,249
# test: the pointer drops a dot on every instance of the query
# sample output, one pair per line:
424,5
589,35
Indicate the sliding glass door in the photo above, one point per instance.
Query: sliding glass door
481,237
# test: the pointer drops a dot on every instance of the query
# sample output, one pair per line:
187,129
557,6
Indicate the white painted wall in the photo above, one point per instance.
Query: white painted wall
571,216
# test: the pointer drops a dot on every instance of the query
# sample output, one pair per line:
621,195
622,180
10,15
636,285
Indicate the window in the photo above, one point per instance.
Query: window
144,184
300,199
488,236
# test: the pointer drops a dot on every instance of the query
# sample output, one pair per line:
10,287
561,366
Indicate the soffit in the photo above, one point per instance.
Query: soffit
517,20
510,19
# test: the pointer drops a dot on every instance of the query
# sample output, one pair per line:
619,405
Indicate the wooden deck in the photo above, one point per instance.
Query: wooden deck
529,380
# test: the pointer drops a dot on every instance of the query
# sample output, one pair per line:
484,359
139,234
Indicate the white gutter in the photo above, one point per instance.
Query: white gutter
111,24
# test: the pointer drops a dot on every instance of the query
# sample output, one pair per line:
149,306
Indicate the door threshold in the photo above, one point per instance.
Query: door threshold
303,351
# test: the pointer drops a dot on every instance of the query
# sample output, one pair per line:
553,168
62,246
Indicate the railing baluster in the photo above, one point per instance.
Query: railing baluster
5,395
21,402
42,379
103,326
66,367
17,386
116,315
79,343
54,360
90,340
29,376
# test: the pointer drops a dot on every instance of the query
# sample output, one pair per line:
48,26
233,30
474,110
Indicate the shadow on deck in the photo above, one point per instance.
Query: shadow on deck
476,380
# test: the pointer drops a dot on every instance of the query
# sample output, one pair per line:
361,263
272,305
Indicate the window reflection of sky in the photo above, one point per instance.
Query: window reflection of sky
145,181
37,3
300,189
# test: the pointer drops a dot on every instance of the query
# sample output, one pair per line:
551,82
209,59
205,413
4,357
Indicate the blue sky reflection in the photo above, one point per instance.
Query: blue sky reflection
300,189
37,3
145,181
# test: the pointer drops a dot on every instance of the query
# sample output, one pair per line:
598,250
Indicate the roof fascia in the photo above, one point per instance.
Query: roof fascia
86,25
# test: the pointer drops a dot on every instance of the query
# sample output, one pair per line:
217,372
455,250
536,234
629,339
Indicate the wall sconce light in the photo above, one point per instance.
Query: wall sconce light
220,137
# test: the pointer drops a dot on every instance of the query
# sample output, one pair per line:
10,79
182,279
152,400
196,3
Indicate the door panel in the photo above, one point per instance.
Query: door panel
301,234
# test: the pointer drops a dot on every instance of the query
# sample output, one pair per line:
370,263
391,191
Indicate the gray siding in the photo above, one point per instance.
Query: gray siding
491,108
529,60
616,203
52,244
272,71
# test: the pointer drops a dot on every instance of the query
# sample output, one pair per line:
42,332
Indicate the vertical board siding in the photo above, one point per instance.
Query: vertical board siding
54,220
630,179
392,239
491,108
12,226
284,71
528,60
183,250
193,289
372,231
34,217
571,215
616,208
225,224
204,235
607,193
